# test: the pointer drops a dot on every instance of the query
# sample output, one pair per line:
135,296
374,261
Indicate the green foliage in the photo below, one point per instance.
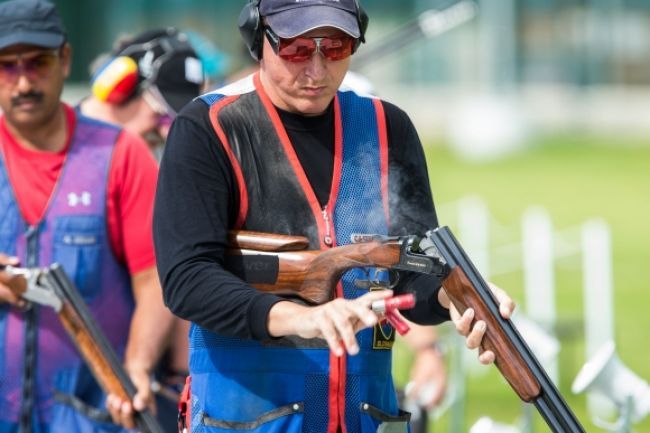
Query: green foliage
575,179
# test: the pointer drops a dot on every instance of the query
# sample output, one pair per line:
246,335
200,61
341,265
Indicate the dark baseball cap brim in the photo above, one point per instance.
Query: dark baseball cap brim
177,99
39,39
299,20
178,85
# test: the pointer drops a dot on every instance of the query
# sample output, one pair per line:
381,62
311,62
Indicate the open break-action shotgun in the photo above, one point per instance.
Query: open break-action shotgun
281,264
52,287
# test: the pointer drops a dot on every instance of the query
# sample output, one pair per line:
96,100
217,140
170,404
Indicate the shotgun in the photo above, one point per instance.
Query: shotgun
288,268
52,287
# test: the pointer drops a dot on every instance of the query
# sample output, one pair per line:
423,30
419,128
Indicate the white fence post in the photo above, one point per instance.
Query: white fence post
539,276
474,232
598,299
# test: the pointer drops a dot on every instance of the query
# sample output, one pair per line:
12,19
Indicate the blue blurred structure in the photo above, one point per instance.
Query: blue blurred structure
215,62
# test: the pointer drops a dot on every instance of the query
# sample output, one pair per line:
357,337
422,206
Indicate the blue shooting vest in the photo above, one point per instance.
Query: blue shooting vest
45,387
289,384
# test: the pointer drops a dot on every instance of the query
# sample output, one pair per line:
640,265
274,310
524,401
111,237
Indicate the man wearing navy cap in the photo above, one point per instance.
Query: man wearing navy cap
78,192
284,151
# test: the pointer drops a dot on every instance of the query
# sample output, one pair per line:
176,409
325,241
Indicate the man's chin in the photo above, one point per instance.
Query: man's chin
314,107
25,120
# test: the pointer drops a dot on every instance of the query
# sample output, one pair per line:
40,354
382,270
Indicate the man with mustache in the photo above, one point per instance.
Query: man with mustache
78,192
284,151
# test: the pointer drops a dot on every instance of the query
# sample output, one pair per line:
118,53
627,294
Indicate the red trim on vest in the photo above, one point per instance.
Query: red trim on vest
383,154
337,373
334,408
295,162
338,166
243,191
342,385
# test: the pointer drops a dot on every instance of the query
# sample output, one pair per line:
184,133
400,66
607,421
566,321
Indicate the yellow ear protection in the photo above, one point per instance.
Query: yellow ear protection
122,77
252,30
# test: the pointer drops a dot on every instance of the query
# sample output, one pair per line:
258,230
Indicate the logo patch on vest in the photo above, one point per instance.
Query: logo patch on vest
75,199
383,336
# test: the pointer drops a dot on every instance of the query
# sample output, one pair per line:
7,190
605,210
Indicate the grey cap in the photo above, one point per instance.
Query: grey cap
33,22
290,18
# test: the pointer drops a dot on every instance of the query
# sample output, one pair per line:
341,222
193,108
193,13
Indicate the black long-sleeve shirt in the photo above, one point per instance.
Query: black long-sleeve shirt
197,202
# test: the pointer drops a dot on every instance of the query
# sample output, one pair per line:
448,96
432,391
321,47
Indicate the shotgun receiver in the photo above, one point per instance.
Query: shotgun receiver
51,287
313,275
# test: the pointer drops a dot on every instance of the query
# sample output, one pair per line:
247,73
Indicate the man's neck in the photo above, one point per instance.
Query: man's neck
92,107
50,136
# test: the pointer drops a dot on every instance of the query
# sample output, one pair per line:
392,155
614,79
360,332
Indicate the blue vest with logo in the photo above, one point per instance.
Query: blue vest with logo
45,387
289,384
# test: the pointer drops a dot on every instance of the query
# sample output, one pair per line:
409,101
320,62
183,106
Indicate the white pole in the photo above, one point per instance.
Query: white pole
597,284
598,302
539,274
539,277
474,232
474,235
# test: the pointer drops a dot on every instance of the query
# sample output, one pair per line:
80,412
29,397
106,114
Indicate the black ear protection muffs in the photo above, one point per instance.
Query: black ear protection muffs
136,66
252,29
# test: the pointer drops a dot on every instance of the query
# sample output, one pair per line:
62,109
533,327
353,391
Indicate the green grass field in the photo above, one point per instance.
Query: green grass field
575,179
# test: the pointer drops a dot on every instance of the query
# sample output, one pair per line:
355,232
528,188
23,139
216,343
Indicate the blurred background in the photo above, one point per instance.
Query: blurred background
535,117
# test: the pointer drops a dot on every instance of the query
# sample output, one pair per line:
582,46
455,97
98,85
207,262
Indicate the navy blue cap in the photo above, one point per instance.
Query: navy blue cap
33,22
291,18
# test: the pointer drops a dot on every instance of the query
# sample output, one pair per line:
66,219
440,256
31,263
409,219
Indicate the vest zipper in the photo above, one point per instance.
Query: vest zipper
327,239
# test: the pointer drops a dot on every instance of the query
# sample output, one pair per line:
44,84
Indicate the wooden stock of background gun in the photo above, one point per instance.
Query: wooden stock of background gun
51,287
281,264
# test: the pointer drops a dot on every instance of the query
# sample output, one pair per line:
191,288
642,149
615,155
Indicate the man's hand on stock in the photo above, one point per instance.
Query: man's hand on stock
474,334
123,412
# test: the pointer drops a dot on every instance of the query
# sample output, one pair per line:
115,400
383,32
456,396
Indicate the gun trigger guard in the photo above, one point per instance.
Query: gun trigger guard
393,279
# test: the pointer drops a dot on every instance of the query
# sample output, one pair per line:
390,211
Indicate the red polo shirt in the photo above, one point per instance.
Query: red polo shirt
131,189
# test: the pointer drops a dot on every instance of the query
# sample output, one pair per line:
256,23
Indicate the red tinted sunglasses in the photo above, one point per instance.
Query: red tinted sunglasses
300,49
38,66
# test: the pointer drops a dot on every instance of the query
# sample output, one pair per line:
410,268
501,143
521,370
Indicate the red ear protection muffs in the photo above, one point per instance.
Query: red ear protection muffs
122,76
116,81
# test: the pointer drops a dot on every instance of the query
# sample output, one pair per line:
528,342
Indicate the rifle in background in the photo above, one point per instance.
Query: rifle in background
52,287
428,24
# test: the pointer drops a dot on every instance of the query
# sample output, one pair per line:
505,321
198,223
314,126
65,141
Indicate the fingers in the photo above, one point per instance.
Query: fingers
339,320
144,397
121,411
428,378
474,335
463,323
506,304
331,336
427,395
7,281
9,297
9,260
486,357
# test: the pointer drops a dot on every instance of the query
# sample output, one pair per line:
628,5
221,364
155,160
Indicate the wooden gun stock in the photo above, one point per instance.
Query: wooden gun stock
246,239
507,359
93,344
308,274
